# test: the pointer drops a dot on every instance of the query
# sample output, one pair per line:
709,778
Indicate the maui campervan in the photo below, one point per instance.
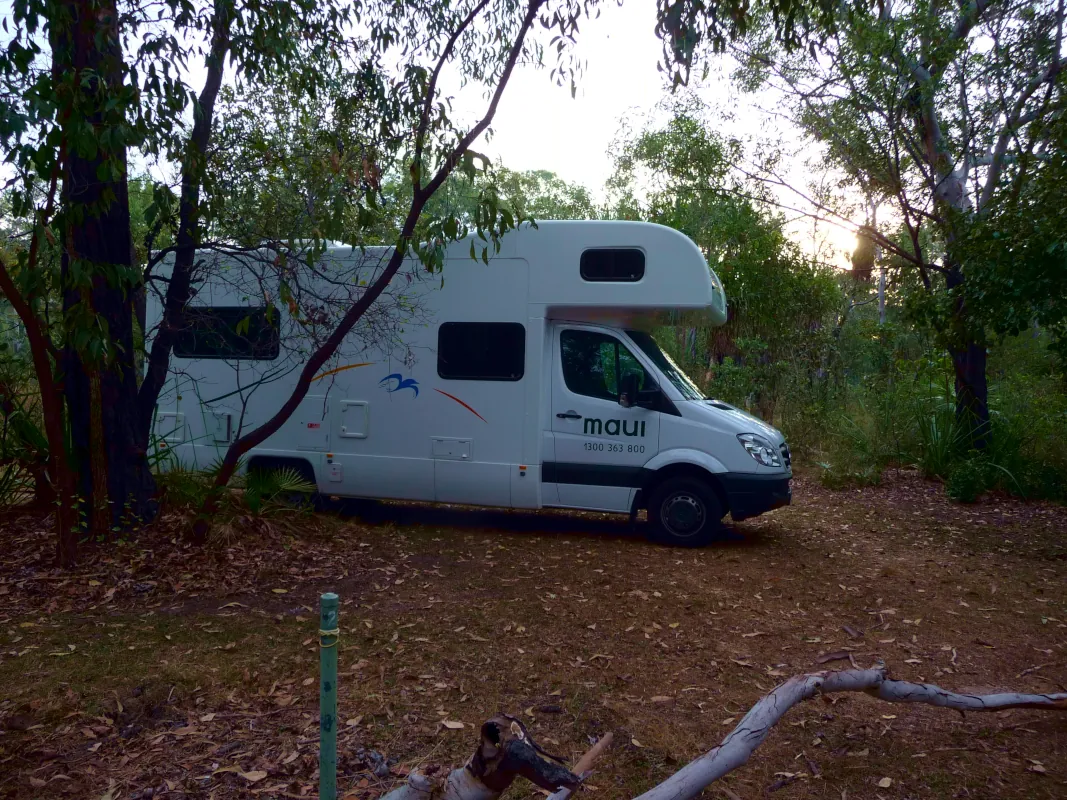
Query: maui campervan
529,381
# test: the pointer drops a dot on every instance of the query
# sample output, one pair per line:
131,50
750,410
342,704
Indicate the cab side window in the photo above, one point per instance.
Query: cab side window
593,364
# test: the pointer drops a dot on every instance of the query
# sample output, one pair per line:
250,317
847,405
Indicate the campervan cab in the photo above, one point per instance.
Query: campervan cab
527,379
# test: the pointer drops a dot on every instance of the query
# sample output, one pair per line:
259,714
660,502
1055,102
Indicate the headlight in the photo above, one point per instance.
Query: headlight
760,449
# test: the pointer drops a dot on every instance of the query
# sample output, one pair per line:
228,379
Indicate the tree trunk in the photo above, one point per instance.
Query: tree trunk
969,366
98,279
972,393
953,203
881,296
58,471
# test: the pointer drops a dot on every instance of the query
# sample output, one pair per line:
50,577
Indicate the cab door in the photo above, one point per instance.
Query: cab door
600,446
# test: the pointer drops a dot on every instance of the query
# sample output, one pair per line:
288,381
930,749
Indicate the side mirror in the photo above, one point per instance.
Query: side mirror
629,390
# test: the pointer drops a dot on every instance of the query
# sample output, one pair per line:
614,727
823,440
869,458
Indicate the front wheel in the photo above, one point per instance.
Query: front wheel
685,512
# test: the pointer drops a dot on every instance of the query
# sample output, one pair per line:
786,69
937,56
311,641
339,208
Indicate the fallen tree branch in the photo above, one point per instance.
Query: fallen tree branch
750,733
585,763
506,750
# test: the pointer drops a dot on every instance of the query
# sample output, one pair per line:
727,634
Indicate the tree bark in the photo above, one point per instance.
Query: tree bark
969,369
972,393
97,274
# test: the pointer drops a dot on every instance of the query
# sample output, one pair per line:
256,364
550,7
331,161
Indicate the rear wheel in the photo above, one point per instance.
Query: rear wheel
685,512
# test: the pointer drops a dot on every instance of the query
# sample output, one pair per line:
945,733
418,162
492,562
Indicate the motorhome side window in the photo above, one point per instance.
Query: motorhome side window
613,264
238,333
481,351
594,362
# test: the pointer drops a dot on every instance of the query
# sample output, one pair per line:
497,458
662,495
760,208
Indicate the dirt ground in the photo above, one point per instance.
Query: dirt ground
156,670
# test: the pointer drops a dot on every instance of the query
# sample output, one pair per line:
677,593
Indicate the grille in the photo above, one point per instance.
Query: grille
787,458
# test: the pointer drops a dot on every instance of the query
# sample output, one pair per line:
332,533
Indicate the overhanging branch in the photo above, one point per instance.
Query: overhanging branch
464,144
431,90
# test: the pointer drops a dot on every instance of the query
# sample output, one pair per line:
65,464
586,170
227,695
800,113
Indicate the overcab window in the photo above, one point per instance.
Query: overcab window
613,264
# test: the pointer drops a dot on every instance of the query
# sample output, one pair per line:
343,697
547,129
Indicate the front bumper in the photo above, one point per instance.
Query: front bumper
750,495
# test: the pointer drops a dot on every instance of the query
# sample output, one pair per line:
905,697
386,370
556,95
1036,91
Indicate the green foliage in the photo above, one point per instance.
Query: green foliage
533,194
905,416
783,308
184,488
1018,256
296,170
968,480
949,115
263,491
153,209
267,489
941,439
23,446
540,194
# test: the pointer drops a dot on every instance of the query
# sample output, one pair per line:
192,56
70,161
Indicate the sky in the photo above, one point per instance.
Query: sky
539,125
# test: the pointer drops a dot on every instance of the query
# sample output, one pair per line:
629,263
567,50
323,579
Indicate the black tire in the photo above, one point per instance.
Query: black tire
685,512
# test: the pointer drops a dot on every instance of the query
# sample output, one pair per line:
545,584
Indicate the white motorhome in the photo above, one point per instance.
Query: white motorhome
527,382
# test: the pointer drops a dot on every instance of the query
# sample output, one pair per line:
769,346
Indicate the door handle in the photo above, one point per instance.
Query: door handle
569,415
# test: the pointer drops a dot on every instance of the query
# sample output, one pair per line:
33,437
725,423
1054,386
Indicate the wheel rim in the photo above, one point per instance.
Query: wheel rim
683,514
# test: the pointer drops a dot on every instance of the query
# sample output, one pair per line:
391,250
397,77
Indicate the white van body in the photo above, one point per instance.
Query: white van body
501,389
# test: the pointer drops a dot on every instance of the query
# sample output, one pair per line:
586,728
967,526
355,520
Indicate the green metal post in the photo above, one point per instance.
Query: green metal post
328,637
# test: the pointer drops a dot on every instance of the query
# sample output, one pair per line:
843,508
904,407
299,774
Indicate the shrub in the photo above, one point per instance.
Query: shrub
849,475
183,487
968,480
267,488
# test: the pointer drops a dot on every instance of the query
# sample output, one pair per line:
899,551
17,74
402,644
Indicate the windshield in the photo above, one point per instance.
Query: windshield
682,382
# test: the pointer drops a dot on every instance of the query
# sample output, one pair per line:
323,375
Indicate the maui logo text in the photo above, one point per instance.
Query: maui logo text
613,427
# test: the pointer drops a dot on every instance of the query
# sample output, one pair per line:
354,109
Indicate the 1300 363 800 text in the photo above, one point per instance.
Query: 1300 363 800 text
612,447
